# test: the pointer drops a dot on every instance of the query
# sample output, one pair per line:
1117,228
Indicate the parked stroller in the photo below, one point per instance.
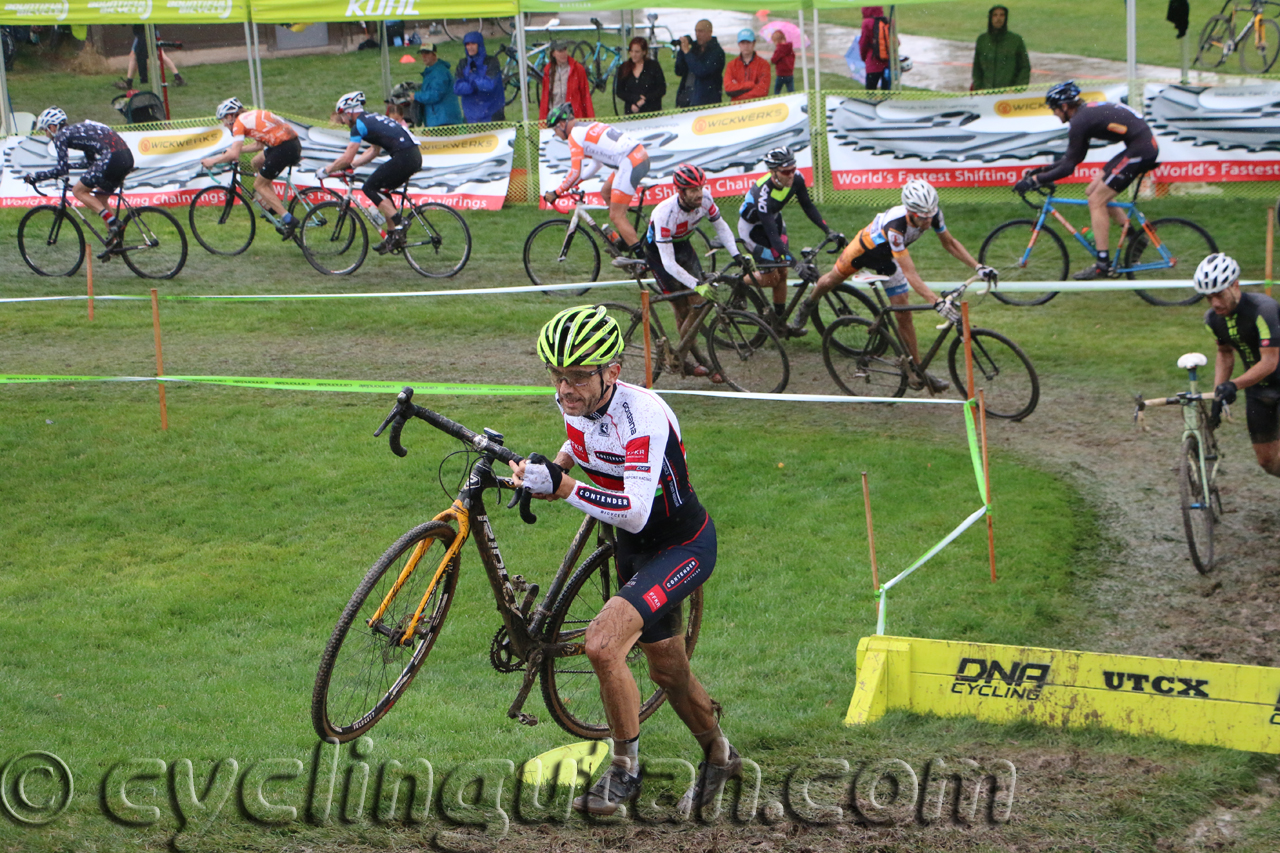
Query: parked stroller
140,107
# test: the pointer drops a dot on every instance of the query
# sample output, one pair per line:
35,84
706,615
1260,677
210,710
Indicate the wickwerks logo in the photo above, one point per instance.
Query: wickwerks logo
157,145
741,119
470,145
57,11
1166,684
1020,680
1021,107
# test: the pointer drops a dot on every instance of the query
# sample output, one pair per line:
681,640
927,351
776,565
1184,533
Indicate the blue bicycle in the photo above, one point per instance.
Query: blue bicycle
1028,250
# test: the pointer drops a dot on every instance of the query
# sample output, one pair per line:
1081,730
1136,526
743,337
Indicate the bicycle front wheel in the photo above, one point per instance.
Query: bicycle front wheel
50,241
569,684
747,353
1004,250
1010,386
864,362
221,221
1259,48
1197,511
1186,243
437,240
153,244
334,238
1217,34
553,256
367,665
844,301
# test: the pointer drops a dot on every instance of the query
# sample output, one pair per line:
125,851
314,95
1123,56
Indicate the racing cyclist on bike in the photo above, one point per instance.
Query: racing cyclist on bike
603,146
275,147
764,233
672,257
108,158
881,247
627,441
1248,323
1110,123
382,133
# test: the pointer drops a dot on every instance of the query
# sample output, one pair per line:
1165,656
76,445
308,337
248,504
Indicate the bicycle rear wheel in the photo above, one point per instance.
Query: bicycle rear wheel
334,238
1218,32
1003,250
50,241
862,361
221,221
553,256
1001,369
153,243
437,240
1197,513
1260,46
569,684
365,667
1187,244
747,353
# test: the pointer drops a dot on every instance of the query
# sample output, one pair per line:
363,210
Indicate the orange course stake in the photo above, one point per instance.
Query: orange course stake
871,540
155,321
648,349
90,277
986,477
1271,242
968,347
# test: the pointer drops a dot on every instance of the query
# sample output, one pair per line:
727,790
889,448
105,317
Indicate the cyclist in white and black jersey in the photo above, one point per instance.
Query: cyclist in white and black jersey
628,443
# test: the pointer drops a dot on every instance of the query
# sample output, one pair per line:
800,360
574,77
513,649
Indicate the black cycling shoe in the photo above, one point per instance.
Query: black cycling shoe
1097,270
288,229
614,787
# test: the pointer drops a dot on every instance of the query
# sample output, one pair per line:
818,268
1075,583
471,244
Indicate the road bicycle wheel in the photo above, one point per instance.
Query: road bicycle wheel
221,221
334,238
1003,250
153,243
706,257
309,197
51,241
365,667
844,301
864,362
631,322
552,256
1197,515
437,240
1010,386
1259,47
569,684
1186,242
747,353
457,28
1215,41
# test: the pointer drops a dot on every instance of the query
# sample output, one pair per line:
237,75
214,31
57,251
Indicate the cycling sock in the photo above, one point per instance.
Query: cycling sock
288,218
1104,257
779,308
626,753
396,220
110,219
714,745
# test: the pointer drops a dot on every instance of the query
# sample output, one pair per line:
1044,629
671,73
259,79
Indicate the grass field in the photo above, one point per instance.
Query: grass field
167,594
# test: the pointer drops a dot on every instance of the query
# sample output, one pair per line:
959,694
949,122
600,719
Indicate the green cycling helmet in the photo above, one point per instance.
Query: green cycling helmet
581,336
564,112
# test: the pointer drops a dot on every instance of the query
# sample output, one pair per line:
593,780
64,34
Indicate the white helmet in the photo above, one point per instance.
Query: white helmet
1216,273
229,107
350,102
51,117
920,198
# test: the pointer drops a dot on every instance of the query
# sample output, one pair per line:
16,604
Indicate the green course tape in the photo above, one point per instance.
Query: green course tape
349,385
975,452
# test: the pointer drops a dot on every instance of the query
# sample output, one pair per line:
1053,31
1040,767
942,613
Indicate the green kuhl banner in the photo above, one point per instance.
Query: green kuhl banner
123,11
315,11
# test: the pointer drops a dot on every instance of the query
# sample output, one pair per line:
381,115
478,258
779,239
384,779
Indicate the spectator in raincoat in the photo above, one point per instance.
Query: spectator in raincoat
435,95
1000,57
564,81
478,82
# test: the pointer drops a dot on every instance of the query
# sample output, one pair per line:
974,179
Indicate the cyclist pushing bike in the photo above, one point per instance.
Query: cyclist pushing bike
1110,123
1248,323
882,248
627,441
603,146
382,133
764,233
107,154
275,147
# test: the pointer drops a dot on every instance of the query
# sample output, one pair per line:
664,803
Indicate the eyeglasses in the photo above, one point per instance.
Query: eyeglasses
577,380
790,171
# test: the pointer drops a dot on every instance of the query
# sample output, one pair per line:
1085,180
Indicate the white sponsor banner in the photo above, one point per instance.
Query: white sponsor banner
728,142
469,172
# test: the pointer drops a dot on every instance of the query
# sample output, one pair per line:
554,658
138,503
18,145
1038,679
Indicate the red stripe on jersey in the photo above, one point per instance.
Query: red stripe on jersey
577,441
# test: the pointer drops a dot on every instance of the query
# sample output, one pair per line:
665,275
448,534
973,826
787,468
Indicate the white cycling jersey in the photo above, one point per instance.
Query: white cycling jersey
670,223
602,145
631,451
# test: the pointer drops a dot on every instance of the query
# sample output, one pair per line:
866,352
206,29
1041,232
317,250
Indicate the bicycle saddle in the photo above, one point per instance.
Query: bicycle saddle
1192,359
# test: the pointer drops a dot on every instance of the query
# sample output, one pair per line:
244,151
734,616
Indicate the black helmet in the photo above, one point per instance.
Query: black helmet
564,112
779,158
1062,94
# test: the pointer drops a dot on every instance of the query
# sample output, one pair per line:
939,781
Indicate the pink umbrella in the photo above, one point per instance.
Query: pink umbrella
789,31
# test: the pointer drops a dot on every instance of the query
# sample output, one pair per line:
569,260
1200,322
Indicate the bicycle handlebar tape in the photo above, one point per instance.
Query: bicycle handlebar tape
396,447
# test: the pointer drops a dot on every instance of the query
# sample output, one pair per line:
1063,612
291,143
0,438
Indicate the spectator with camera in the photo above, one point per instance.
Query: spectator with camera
700,65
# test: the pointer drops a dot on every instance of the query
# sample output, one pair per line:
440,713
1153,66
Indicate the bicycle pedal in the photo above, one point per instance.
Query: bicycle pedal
526,719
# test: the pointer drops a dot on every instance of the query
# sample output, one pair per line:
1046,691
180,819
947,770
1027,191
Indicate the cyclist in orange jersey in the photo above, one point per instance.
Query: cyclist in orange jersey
277,147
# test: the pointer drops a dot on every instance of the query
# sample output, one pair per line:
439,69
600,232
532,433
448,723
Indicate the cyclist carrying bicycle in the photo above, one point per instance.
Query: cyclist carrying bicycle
1248,323
764,233
627,441
881,247
382,133
106,153
1110,123
603,146
275,147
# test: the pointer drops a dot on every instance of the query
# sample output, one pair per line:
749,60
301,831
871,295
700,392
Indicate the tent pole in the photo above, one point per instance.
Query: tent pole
817,54
1186,60
253,72
895,64
7,126
1131,51
257,63
804,64
385,50
521,64
153,59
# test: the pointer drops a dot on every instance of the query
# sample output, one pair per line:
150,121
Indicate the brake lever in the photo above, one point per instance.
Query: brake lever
525,496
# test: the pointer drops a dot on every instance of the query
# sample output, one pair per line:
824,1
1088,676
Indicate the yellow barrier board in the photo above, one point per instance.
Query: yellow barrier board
1219,704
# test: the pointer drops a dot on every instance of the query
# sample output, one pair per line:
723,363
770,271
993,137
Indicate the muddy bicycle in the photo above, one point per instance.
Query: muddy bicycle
1197,463
397,612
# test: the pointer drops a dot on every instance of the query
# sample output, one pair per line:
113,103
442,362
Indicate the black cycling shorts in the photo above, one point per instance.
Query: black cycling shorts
655,583
1121,170
277,158
106,174
757,242
1262,411
396,172
686,257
